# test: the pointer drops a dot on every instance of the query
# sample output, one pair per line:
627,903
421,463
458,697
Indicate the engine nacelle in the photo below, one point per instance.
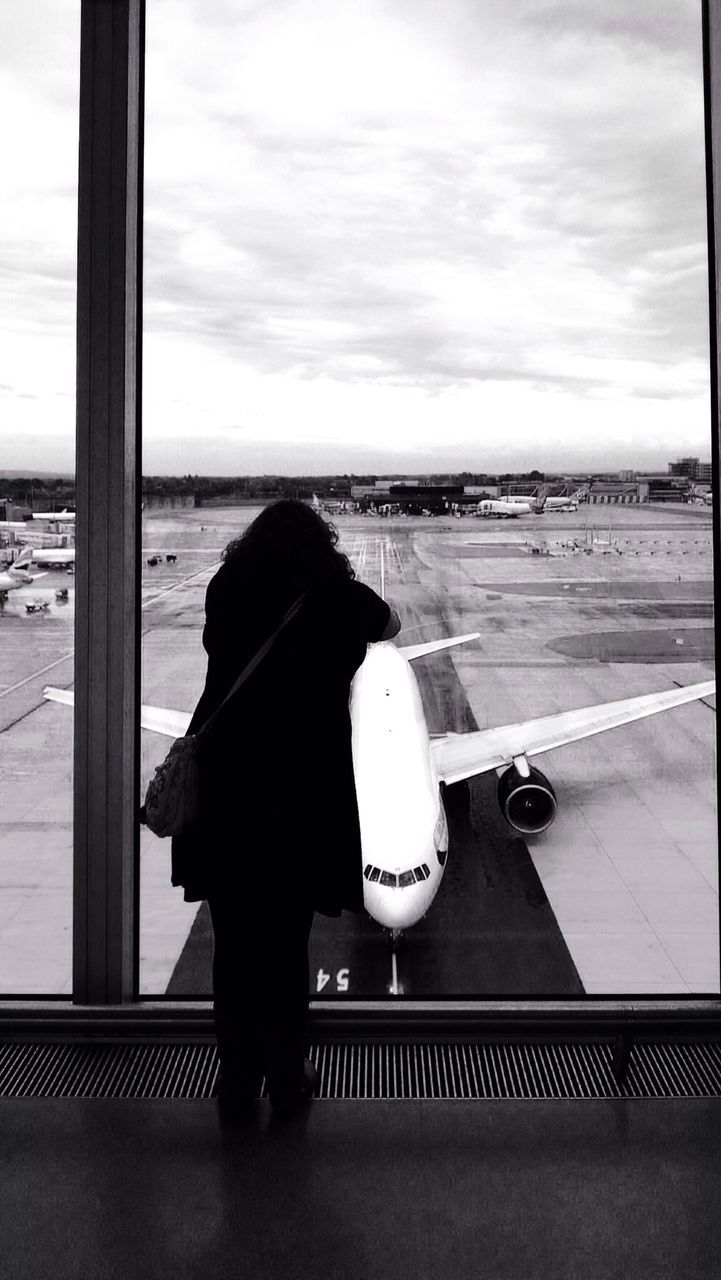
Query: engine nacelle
528,804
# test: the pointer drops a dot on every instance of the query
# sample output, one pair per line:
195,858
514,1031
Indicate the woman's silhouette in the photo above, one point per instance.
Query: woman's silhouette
278,835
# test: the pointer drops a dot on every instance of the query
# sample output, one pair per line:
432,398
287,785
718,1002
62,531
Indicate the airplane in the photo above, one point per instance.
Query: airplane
63,515
552,504
700,497
17,575
54,557
402,772
332,508
504,509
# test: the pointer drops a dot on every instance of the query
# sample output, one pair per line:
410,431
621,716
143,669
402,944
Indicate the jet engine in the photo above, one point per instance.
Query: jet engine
527,804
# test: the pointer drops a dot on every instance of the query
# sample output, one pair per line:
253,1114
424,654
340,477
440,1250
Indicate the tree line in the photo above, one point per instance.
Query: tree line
54,493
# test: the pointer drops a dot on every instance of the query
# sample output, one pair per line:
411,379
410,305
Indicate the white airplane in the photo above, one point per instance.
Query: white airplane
63,515
700,497
17,575
504,509
54,557
332,508
401,771
552,504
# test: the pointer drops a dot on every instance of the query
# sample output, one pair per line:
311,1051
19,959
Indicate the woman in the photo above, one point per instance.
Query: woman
278,834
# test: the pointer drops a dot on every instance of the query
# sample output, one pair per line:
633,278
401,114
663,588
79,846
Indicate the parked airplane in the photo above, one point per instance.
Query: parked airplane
551,504
63,515
503,509
17,575
401,772
701,497
332,508
54,557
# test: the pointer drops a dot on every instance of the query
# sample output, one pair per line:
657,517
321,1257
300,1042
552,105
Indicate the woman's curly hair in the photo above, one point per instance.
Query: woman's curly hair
290,545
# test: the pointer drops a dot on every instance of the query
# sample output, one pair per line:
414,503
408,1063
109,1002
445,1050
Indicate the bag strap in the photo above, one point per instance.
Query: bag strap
254,662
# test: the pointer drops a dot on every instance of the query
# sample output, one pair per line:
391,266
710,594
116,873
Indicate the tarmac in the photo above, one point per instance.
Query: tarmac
619,896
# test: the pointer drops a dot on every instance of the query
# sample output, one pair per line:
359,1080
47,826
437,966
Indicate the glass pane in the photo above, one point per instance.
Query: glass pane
38,229
441,272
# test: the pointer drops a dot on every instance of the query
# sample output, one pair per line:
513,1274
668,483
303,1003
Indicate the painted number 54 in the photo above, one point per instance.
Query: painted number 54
342,978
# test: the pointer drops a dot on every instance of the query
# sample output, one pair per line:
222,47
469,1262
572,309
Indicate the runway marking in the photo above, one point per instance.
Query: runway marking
176,585
41,670
11,688
394,979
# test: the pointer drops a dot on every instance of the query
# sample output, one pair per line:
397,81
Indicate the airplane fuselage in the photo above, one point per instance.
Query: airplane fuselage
17,575
11,581
54,556
505,510
404,833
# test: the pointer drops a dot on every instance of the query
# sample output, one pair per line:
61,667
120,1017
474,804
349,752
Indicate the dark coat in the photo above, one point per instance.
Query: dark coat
278,802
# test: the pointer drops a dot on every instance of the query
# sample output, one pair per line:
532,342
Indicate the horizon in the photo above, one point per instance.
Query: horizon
16,474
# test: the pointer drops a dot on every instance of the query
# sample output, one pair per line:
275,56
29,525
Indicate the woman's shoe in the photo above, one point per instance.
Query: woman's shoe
284,1102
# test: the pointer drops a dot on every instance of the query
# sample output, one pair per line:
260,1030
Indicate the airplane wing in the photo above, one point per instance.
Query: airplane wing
161,720
411,651
464,755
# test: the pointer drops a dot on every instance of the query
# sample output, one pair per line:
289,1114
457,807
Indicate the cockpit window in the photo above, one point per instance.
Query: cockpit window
393,881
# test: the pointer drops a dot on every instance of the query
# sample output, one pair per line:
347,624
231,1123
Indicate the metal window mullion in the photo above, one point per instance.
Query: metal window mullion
107,452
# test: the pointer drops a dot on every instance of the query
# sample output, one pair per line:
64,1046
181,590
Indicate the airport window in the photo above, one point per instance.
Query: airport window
392,268
39,86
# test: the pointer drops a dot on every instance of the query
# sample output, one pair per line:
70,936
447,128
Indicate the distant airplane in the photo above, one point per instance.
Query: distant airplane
333,508
504,509
401,772
53,557
698,496
17,575
551,504
63,515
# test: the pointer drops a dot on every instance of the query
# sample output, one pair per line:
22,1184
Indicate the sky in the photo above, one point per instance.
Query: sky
379,236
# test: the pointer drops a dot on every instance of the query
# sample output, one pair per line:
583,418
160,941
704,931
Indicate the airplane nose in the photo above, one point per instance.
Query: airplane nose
397,908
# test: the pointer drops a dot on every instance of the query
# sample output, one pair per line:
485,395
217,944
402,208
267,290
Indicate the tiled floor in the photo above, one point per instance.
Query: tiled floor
113,1190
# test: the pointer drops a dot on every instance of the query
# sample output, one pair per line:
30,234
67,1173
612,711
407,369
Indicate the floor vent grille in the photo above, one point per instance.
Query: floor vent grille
559,1070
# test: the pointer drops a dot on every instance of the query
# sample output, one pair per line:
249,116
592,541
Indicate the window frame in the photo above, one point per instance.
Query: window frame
107,665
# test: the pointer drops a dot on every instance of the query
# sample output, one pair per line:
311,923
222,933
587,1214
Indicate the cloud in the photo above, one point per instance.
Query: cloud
444,204
390,236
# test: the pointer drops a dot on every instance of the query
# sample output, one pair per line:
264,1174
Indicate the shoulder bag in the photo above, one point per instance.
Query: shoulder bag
172,797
